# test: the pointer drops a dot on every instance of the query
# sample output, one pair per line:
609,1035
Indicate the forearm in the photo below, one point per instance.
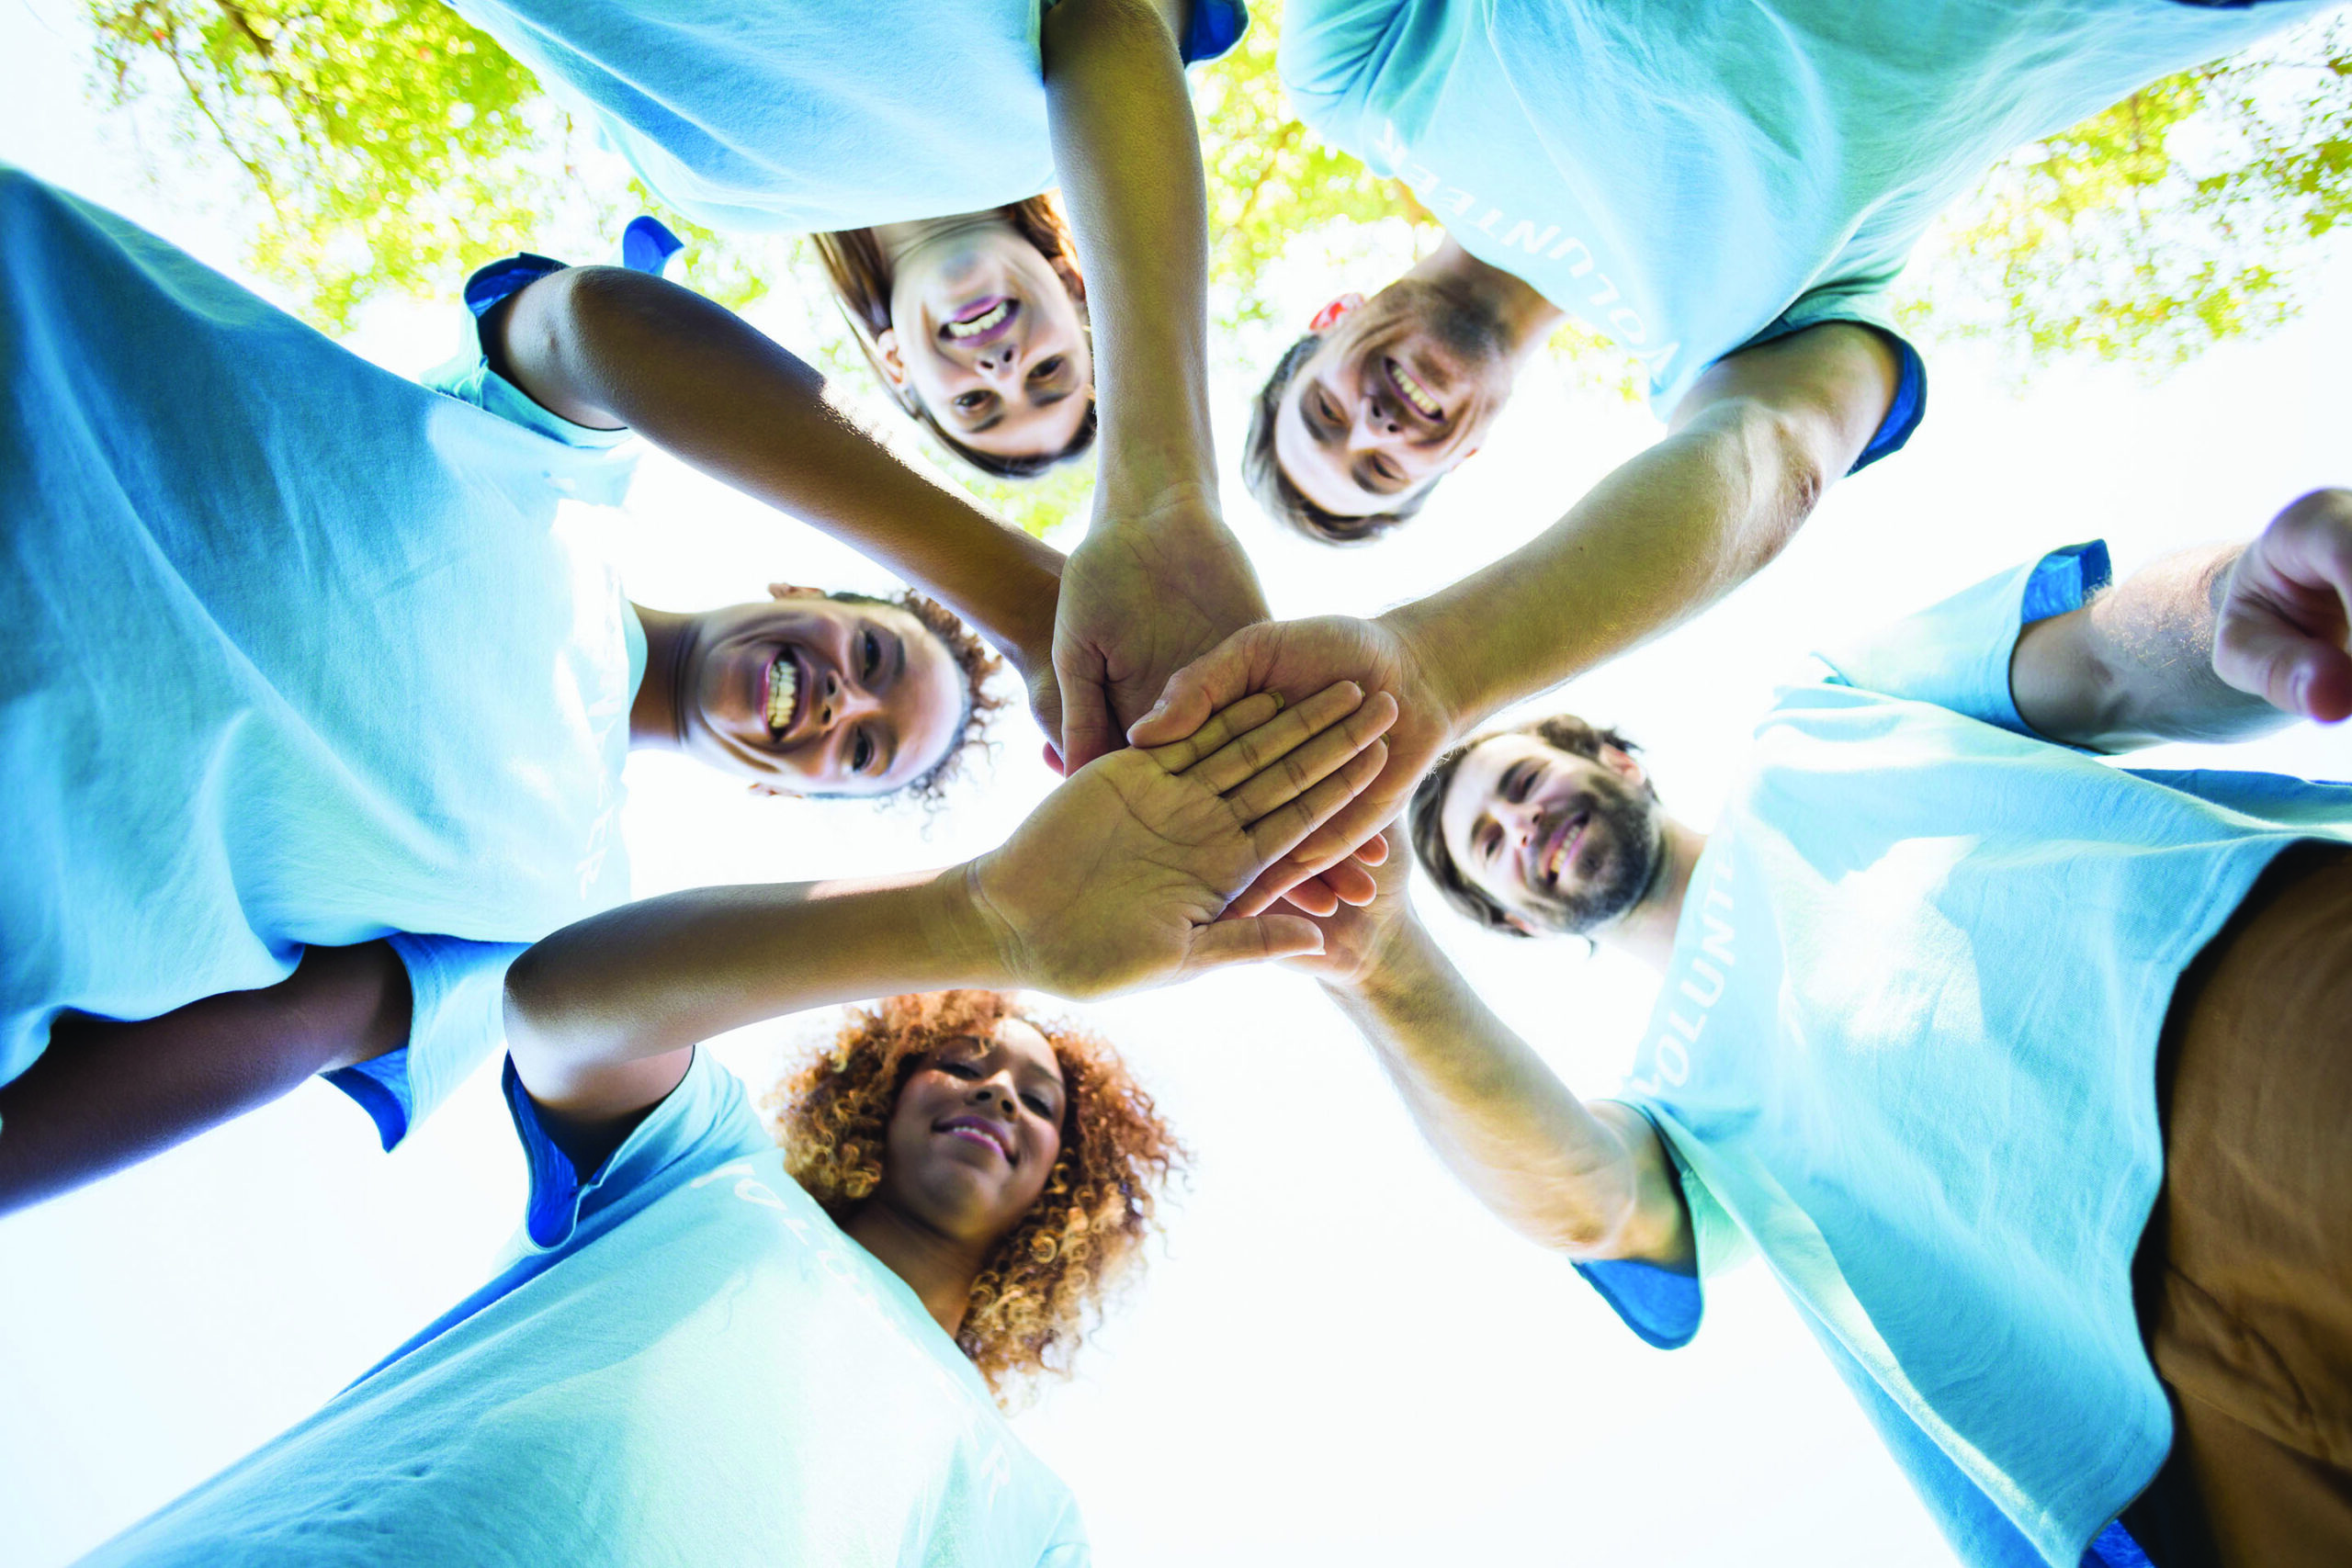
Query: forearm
655,976
1502,1121
1661,538
106,1096
1128,156
2135,665
604,346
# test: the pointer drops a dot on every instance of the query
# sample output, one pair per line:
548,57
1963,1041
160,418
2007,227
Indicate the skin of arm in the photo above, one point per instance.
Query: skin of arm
2216,643
1589,1182
1116,881
1160,580
106,1095
607,347
1751,449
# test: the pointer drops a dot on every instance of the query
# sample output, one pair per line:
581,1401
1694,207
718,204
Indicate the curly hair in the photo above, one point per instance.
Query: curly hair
1560,731
978,662
1284,502
1046,1285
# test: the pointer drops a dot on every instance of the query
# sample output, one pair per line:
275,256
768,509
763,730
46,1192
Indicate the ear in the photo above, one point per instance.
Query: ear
772,792
886,355
793,591
1331,315
1623,764
1522,927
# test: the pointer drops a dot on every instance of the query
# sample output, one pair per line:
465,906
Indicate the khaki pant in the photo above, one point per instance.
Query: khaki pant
2245,1274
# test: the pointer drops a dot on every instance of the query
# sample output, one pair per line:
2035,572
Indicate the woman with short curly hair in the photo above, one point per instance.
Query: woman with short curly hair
1036,1290
708,1350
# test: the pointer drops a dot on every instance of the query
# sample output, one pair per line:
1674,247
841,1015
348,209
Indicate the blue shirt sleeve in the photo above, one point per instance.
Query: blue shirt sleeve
1662,1306
647,245
1956,655
705,1121
456,1016
1869,307
1212,30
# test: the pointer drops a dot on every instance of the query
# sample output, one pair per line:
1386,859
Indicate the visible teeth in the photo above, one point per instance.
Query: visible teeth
1415,393
784,692
982,322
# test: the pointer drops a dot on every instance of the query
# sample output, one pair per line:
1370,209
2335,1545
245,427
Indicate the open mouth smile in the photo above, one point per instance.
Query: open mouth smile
780,693
1562,848
983,320
977,1129
1413,392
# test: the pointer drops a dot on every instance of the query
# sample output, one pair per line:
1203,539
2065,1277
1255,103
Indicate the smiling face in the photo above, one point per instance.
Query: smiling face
1565,843
975,1132
811,696
985,332
1400,390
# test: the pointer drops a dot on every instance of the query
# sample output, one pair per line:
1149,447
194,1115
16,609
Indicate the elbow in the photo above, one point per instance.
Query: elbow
1774,461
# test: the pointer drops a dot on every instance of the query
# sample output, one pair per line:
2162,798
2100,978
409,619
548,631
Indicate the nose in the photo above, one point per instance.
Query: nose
1517,818
995,1091
1000,360
841,700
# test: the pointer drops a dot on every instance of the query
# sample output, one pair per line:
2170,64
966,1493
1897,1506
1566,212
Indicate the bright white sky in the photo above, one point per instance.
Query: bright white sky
1341,1358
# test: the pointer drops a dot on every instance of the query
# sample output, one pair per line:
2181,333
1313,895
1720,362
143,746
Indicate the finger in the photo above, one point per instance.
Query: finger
1314,898
1247,941
1351,883
1223,725
1054,760
1220,678
1087,729
1278,832
1367,815
1259,745
1293,773
1373,850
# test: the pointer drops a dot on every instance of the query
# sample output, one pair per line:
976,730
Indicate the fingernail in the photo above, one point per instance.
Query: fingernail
1278,700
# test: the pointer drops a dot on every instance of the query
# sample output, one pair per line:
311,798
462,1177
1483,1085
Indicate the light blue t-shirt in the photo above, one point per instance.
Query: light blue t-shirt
1691,176
812,115
1905,1048
299,654
684,1362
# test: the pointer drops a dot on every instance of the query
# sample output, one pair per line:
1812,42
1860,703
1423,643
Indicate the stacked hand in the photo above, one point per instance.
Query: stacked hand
1296,659
2284,628
1357,942
1119,878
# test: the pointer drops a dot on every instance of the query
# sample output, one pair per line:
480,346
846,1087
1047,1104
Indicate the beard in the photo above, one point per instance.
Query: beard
1629,853
1469,330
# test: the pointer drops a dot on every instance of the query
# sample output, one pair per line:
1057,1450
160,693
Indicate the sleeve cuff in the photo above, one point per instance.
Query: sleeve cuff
456,1016
1214,27
1864,308
1956,654
1662,1308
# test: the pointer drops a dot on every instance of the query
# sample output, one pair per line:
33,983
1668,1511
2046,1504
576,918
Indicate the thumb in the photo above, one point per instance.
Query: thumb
2284,666
1217,678
1088,731
1248,940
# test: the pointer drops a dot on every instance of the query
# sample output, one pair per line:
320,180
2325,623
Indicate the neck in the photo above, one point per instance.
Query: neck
1527,317
653,720
1647,930
896,239
938,1267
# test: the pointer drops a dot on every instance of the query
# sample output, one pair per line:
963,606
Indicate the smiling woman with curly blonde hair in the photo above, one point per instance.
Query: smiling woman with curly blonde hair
1046,1284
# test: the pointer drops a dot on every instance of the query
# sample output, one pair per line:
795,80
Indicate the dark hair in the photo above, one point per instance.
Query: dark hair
860,274
1561,732
972,656
1284,501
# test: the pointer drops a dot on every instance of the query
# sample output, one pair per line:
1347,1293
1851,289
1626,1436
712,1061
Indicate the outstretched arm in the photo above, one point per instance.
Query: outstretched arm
2219,643
1753,446
1590,1182
106,1095
1115,882
1159,581
607,347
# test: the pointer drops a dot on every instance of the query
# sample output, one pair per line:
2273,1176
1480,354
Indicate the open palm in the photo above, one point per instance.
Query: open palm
1118,879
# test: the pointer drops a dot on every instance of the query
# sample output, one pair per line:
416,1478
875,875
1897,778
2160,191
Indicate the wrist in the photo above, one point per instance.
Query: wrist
963,932
1439,664
1396,967
1158,497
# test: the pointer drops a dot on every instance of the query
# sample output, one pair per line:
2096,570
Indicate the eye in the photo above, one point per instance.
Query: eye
861,752
870,650
1490,842
1525,785
958,1069
971,402
1045,369
1039,1104
1325,408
